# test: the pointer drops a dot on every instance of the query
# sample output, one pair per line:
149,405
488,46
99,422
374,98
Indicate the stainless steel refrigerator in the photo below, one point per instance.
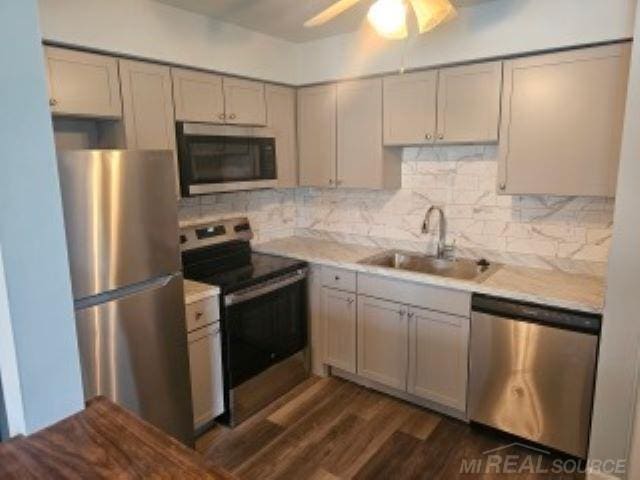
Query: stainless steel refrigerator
121,222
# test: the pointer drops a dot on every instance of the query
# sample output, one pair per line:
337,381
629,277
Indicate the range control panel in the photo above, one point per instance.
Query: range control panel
210,233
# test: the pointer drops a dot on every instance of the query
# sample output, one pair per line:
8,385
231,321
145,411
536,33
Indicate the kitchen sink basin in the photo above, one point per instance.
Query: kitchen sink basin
459,268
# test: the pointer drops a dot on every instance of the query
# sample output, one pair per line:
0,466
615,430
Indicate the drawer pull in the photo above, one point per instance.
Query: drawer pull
336,278
199,315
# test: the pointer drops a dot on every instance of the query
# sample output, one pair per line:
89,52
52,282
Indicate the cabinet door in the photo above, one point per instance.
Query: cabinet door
281,118
410,108
244,102
469,103
205,365
383,341
83,84
438,352
362,161
198,96
317,135
562,122
148,108
339,315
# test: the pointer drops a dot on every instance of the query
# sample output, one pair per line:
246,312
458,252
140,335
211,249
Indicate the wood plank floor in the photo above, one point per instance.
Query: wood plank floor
327,429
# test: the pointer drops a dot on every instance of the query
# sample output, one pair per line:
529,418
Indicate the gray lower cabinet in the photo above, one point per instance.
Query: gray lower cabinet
388,340
382,341
438,357
339,315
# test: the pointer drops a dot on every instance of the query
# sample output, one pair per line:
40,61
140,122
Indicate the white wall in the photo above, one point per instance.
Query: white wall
497,28
619,347
153,30
38,286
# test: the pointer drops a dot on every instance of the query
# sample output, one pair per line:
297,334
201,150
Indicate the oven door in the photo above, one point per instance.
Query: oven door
216,158
263,326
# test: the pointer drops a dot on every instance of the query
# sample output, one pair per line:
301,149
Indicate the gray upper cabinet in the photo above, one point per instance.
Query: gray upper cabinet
469,103
244,102
362,160
198,96
452,105
83,84
562,122
211,98
317,135
148,107
410,108
281,118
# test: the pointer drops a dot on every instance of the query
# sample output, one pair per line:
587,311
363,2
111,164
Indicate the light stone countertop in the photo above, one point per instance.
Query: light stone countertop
548,287
196,291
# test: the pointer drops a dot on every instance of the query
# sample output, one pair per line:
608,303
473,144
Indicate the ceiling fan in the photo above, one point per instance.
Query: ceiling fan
389,17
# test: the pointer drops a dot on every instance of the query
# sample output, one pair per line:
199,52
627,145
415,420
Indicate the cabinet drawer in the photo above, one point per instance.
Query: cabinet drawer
426,296
202,313
339,278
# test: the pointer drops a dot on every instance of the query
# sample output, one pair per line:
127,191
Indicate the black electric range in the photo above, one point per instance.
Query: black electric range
233,266
263,313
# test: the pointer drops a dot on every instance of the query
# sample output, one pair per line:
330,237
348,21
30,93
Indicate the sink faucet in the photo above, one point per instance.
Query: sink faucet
443,249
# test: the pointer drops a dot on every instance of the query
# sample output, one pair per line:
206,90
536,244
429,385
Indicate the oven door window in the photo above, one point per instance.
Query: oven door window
265,330
230,159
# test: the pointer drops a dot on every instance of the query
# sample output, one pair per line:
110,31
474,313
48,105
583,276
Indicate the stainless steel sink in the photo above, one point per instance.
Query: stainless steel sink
460,268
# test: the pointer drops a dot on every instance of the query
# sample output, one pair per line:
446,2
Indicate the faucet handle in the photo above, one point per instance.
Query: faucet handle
449,251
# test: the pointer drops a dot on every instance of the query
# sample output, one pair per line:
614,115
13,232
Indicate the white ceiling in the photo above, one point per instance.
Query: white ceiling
284,18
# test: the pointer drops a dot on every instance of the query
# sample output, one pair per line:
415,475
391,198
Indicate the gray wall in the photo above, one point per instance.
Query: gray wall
616,383
31,228
4,427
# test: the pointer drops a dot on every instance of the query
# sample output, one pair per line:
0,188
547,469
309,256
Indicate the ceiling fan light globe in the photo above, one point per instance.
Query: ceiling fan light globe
389,18
431,13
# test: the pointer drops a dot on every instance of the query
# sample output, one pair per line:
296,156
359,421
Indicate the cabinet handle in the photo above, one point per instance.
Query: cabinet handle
199,315
503,186
221,116
330,181
350,301
402,313
410,315
428,136
53,102
232,116
441,136
336,278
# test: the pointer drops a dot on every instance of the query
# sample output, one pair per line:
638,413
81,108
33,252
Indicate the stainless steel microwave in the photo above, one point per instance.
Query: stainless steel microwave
219,158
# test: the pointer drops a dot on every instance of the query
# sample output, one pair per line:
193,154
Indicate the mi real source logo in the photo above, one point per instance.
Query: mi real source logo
499,461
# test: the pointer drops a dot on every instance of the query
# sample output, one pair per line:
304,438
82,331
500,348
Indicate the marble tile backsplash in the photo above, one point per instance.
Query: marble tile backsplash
461,179
272,213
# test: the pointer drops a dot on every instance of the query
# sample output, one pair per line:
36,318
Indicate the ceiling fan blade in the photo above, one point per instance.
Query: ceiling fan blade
431,13
333,11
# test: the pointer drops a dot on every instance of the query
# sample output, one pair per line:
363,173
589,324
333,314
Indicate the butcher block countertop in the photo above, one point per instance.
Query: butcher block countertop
103,441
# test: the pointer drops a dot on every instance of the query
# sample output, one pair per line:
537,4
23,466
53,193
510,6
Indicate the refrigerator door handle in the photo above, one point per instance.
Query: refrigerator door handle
119,293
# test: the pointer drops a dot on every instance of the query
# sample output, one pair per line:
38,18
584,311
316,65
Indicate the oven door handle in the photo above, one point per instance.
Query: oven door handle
264,288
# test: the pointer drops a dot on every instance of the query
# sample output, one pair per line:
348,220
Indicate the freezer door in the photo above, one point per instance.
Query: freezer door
133,350
120,216
533,381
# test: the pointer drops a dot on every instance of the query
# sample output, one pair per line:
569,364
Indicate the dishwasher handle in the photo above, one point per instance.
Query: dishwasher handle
534,313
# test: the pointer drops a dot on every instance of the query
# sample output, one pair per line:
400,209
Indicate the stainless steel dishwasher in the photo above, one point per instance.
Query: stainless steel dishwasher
532,371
